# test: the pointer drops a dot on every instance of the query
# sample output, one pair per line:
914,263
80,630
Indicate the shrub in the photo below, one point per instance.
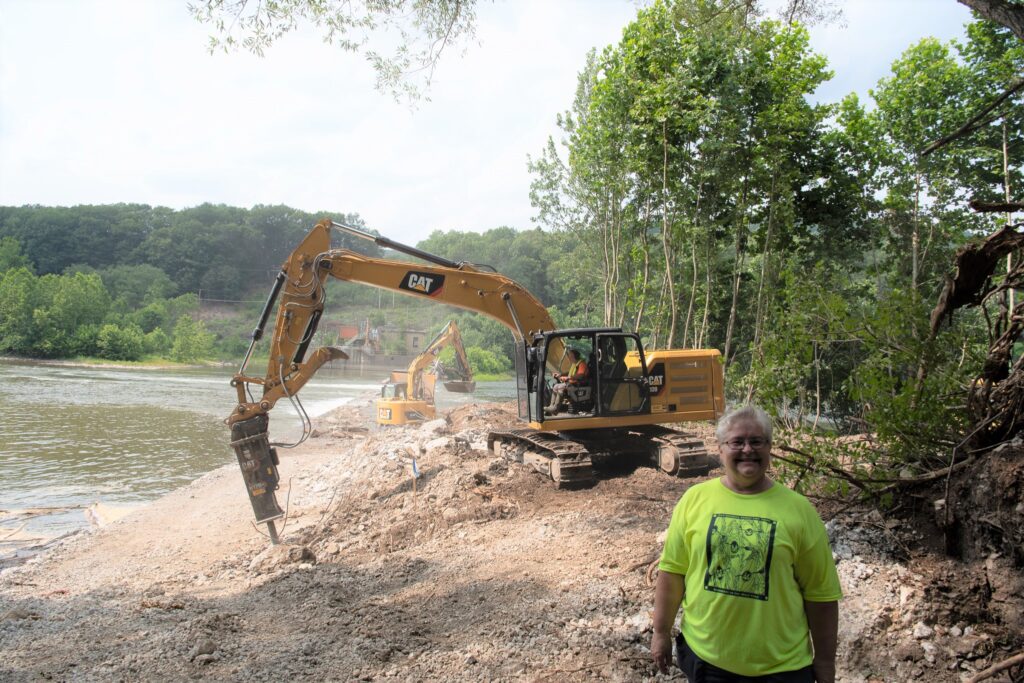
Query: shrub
191,341
156,341
120,343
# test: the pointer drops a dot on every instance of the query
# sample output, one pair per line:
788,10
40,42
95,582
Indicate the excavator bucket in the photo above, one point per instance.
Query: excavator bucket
459,386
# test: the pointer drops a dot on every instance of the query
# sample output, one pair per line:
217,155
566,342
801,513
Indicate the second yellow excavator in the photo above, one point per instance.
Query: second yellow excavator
408,395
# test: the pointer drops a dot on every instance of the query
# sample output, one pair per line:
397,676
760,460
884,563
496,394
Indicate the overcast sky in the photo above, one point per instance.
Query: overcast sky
108,101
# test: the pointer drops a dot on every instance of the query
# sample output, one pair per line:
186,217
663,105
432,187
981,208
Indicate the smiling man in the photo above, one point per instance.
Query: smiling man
750,562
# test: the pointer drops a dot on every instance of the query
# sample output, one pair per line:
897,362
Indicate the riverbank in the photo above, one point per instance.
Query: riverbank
154,364
477,571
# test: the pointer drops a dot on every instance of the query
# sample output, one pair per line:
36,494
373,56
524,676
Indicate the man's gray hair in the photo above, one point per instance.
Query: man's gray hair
747,412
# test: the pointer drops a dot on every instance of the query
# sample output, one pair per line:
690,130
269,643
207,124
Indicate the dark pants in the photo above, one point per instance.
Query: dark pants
699,671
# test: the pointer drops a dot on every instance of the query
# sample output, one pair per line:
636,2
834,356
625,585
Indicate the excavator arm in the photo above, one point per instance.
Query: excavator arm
301,287
462,382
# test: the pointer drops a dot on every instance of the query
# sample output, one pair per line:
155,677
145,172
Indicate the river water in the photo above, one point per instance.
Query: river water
74,436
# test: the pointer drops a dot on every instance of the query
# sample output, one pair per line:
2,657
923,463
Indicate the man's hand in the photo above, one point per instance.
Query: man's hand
661,650
668,594
824,672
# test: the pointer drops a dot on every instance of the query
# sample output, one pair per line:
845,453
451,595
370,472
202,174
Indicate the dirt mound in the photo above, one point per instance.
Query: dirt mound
986,510
412,553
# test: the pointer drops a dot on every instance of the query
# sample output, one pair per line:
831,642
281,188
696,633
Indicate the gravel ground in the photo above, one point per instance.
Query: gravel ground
478,571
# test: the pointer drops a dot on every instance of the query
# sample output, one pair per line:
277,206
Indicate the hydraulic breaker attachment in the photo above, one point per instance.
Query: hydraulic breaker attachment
258,462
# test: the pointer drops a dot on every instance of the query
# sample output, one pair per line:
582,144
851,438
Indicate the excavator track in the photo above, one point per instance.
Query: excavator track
566,463
568,459
679,454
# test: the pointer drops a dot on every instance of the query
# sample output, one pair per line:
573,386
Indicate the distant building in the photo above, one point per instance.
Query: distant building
365,344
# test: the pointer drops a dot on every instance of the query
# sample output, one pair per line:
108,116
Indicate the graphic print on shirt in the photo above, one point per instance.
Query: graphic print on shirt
739,552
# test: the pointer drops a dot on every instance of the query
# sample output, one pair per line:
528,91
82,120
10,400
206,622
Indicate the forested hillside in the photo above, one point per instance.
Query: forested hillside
125,281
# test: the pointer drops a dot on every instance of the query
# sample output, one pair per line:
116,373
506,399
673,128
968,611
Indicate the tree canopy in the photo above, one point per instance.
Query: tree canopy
421,31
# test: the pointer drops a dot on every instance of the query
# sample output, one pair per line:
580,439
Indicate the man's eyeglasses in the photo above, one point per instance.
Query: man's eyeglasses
756,443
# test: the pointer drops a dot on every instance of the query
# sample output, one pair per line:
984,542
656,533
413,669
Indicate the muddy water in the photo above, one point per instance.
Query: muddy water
72,436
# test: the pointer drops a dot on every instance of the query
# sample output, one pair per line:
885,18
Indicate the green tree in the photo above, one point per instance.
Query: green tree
151,316
987,154
190,340
120,343
425,28
484,362
17,299
156,342
85,341
137,284
922,98
11,255
63,304
687,153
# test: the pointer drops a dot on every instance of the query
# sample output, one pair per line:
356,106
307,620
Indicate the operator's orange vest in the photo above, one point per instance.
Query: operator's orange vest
573,368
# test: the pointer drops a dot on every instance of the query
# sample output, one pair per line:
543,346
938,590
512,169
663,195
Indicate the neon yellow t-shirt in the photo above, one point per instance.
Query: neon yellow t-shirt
750,561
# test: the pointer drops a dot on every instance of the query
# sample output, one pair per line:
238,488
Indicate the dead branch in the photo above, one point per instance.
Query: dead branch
995,207
864,482
652,569
974,264
972,123
646,562
996,668
925,478
838,471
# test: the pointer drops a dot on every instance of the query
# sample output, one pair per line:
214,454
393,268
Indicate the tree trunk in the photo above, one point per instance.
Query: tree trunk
1009,214
737,270
690,317
817,387
606,265
666,242
611,242
762,286
1009,14
645,282
709,253
659,315
915,237
693,290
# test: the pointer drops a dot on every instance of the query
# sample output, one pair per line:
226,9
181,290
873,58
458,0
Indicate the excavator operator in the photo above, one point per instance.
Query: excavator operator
576,376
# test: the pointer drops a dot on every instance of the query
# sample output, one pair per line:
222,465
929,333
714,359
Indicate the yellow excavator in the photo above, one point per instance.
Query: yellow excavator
408,395
621,409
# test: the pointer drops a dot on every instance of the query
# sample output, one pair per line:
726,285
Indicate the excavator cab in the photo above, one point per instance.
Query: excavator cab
615,383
